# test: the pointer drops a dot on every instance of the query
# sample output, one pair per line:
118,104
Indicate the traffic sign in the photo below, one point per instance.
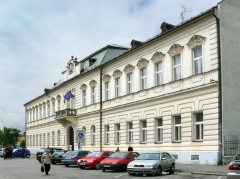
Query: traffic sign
80,136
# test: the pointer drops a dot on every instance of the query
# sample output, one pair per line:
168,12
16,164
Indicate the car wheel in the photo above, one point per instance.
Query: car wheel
66,165
98,166
159,171
172,169
81,167
124,168
27,156
53,163
131,174
103,170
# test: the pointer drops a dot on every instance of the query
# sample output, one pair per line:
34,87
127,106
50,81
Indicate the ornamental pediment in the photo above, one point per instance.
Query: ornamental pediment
71,65
195,41
92,83
117,73
106,77
142,63
175,49
157,57
83,87
129,68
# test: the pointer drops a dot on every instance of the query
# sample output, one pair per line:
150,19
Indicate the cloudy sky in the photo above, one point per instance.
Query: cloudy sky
38,37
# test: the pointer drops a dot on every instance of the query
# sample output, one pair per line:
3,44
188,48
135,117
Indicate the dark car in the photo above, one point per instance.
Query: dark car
57,157
21,153
42,150
234,168
118,161
71,157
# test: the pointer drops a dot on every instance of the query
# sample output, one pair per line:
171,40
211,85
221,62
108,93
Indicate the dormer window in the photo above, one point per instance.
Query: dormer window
92,61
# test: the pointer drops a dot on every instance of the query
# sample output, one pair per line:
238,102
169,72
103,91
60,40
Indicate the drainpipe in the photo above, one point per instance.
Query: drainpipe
221,148
101,69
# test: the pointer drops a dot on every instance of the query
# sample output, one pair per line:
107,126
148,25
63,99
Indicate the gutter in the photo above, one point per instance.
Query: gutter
221,148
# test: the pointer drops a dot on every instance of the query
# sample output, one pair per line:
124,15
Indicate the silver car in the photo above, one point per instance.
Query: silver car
234,168
152,164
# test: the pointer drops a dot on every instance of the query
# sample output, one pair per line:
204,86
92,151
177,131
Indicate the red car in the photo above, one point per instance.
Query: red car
118,161
93,159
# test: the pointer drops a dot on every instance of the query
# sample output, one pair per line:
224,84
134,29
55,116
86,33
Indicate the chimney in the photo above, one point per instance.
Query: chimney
166,27
135,43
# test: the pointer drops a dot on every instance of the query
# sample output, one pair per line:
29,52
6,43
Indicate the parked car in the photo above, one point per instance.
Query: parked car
234,168
1,152
71,157
152,164
21,153
57,157
118,161
42,150
93,159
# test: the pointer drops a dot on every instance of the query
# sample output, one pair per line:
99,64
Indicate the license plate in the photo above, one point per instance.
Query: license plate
106,166
82,164
67,157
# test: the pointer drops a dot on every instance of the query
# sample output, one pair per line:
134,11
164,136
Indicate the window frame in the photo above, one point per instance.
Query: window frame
93,135
93,94
198,132
176,67
117,87
107,90
159,130
143,78
130,132
197,59
159,80
84,98
107,134
177,129
143,131
117,133
130,83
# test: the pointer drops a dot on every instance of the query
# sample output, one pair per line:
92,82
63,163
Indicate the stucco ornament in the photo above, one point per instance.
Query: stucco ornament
83,87
92,83
195,41
129,68
117,73
106,77
71,65
157,57
175,49
142,63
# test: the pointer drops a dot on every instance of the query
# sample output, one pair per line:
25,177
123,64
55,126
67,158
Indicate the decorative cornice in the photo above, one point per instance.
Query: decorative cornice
195,41
106,77
175,49
92,83
142,63
157,57
83,87
128,68
117,73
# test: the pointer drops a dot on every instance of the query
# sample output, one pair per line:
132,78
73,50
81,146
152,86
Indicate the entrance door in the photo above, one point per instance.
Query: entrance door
71,139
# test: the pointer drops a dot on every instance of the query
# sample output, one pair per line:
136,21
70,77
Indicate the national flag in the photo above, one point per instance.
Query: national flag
68,96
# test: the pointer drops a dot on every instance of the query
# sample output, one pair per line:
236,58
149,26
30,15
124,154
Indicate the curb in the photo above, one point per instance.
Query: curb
210,173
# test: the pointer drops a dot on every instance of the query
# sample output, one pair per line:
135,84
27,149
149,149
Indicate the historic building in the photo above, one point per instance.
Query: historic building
176,92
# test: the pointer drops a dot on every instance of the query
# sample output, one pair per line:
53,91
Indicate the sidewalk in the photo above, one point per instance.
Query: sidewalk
203,169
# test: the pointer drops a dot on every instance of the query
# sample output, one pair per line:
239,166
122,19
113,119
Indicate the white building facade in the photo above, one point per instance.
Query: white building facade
159,95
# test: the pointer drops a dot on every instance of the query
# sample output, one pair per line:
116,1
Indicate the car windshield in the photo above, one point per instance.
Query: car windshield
58,153
118,155
237,157
41,150
149,156
95,154
71,153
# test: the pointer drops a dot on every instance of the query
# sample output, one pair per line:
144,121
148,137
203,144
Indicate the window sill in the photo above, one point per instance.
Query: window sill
176,141
158,142
197,141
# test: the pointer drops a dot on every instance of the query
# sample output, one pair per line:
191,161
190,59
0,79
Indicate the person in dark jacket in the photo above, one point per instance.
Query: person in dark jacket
130,148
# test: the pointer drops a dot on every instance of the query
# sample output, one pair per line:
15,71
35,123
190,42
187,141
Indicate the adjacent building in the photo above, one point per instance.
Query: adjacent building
176,92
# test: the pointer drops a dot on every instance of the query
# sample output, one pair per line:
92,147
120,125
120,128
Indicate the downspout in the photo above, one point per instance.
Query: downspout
101,69
221,148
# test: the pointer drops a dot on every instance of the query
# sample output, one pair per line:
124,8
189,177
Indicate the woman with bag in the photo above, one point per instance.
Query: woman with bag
46,161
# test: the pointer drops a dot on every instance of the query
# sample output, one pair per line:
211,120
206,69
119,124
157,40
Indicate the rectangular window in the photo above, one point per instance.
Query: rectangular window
117,89
198,120
107,91
59,104
107,134
48,110
197,60
130,132
177,129
53,108
93,131
93,90
143,131
84,98
129,83
40,113
159,73
117,134
176,67
159,130
143,73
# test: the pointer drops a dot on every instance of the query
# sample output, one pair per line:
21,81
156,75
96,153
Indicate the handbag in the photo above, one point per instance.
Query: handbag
42,168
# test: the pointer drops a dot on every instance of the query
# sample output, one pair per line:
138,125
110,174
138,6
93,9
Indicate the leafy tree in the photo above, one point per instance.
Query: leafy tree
23,143
8,136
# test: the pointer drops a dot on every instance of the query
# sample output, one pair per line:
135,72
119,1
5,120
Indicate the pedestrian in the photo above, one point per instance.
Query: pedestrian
117,150
130,148
46,161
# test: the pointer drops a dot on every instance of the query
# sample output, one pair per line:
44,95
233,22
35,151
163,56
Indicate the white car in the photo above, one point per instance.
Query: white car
234,168
152,164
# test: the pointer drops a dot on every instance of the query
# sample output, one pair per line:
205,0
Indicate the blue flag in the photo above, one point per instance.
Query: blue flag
68,96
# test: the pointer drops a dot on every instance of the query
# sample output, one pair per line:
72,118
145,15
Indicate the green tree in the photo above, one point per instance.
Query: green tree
8,136
23,143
